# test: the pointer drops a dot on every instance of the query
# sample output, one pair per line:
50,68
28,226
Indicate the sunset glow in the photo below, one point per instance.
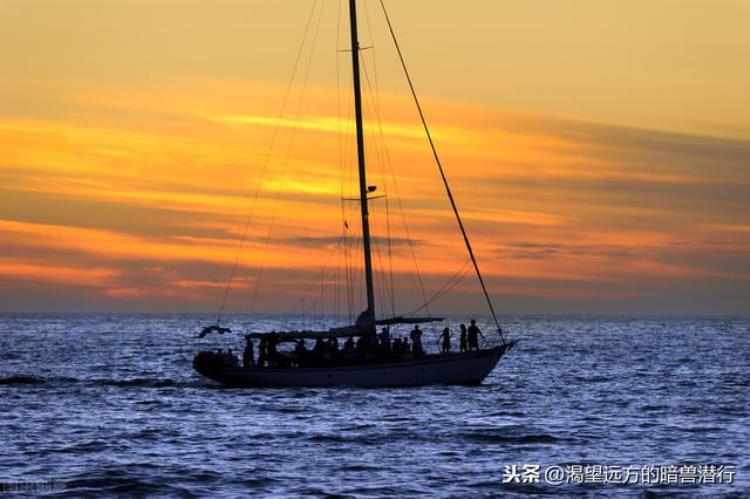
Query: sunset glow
126,187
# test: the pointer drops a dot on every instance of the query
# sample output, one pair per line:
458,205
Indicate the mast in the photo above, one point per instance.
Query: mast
362,169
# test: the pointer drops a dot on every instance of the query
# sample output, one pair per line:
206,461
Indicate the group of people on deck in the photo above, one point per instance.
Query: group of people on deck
468,338
366,348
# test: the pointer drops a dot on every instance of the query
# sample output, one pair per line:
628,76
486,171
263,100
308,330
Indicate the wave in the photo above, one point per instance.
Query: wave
655,407
118,485
345,439
495,437
138,382
21,380
593,379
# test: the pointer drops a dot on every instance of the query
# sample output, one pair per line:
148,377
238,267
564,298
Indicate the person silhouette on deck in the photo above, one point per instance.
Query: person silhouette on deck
273,353
263,352
300,348
462,338
248,356
416,340
349,345
398,347
333,348
385,341
231,359
361,347
446,337
405,346
319,349
474,334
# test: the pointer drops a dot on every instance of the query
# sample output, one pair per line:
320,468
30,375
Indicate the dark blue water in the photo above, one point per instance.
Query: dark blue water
109,404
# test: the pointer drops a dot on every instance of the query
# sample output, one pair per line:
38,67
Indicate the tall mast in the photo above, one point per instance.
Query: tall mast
362,169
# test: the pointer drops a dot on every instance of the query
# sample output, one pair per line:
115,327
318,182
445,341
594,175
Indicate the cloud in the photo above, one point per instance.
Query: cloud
139,198
329,241
528,250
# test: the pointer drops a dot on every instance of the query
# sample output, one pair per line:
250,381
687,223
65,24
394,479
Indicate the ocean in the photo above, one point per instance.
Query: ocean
100,405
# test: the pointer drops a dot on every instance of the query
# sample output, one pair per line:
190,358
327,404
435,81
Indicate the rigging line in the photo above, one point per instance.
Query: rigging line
286,159
442,173
390,257
349,256
420,282
359,279
386,271
354,224
266,160
326,274
384,283
345,129
322,297
339,295
331,288
343,258
376,106
321,275
338,300
381,283
385,292
450,284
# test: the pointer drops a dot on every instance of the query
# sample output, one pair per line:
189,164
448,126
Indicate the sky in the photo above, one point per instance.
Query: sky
599,152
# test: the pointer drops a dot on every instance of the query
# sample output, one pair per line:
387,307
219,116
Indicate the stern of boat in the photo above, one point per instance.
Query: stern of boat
209,364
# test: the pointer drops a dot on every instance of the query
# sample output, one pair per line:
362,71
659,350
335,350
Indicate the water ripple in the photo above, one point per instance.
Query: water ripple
109,405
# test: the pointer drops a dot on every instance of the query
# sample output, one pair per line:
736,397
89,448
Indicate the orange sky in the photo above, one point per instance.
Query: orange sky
134,138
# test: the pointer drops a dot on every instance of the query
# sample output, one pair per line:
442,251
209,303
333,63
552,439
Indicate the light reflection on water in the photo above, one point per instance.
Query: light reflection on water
110,404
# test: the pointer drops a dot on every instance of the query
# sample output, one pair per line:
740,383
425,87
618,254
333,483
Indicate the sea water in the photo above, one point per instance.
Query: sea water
109,404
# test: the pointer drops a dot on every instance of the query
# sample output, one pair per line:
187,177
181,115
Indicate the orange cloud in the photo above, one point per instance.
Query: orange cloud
56,274
150,182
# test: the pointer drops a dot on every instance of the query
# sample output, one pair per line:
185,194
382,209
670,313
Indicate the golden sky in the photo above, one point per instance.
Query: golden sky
599,151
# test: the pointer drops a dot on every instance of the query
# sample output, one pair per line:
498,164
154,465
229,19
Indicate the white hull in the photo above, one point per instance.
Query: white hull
456,368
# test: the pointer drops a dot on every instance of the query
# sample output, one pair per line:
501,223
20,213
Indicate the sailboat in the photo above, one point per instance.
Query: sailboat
372,362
